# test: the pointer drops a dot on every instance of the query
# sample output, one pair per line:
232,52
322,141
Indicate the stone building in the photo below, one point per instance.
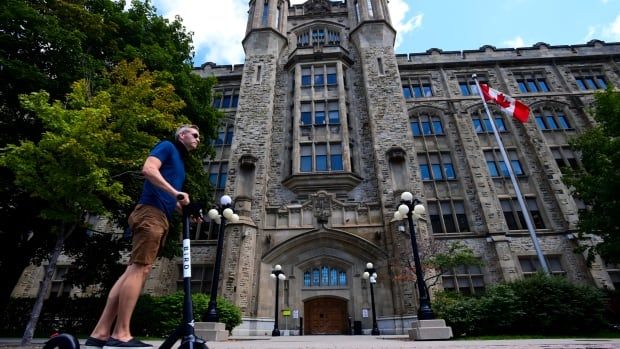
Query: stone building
326,126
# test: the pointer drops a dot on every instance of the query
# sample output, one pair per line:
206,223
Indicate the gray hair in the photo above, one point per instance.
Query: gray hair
184,128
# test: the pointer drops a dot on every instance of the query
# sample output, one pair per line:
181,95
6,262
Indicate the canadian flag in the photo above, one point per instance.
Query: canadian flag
508,104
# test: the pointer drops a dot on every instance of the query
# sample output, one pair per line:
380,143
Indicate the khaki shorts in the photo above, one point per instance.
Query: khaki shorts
149,227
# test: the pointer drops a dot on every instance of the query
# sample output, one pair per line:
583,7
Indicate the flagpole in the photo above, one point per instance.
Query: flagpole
515,184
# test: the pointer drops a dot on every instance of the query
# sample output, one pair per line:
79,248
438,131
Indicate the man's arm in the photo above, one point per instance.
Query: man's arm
150,170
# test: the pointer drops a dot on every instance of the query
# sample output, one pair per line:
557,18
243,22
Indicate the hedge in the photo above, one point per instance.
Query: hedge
153,316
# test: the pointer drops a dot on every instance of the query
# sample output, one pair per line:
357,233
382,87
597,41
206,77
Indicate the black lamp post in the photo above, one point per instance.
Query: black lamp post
371,274
278,275
411,208
219,215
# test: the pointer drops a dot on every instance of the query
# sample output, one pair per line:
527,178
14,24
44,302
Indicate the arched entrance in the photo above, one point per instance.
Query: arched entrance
325,316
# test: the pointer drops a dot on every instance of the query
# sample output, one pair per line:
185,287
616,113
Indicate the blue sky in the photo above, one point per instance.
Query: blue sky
219,25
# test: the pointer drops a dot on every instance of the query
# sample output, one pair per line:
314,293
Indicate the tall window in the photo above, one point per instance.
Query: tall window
530,265
464,279
224,136
549,118
467,85
532,82
565,158
426,125
265,19
448,217
497,167
514,215
590,79
321,157
59,288
325,276
482,124
613,269
436,166
370,11
318,36
218,174
417,87
202,276
227,98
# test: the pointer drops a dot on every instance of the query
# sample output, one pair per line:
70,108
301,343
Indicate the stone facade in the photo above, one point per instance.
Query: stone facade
331,126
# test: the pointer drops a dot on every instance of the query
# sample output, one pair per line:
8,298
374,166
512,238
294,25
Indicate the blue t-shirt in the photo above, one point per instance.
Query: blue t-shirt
173,170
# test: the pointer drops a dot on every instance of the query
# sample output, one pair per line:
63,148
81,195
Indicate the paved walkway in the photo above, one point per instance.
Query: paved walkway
397,342
377,342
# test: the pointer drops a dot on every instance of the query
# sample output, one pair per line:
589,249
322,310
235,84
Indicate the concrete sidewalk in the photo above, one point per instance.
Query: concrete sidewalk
375,342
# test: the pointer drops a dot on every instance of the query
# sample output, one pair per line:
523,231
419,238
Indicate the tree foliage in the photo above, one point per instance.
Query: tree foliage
48,45
597,183
90,141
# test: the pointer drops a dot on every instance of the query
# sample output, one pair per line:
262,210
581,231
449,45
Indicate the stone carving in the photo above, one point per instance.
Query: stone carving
317,7
322,204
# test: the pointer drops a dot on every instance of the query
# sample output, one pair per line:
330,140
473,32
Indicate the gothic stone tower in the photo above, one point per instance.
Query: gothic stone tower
317,158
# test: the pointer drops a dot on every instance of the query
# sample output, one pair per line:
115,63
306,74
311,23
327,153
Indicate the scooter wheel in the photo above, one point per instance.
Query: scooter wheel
62,341
197,344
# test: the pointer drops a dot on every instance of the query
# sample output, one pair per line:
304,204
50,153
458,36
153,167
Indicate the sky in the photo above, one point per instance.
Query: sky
451,25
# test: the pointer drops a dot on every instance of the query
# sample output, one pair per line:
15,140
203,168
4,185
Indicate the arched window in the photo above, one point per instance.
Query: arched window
325,276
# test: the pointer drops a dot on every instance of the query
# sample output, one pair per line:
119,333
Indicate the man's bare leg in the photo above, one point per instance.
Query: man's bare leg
128,294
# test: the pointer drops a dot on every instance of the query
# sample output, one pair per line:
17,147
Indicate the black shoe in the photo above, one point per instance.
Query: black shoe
133,343
94,343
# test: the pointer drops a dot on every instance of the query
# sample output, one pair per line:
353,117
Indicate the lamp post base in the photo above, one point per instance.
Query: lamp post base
375,332
275,333
425,330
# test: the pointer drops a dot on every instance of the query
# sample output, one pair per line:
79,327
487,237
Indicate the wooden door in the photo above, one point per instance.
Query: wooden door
325,316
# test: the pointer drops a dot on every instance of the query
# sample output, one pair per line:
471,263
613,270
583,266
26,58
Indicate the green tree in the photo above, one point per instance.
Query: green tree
597,183
89,141
48,45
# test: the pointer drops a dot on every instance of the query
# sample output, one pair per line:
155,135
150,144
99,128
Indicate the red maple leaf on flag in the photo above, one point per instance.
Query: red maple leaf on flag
502,101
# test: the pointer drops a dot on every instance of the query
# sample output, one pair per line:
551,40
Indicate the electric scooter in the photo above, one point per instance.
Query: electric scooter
185,331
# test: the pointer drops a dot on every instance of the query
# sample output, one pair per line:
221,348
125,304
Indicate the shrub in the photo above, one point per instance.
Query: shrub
153,316
159,316
540,304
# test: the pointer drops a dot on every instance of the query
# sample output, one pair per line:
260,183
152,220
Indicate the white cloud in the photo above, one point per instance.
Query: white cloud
515,42
218,27
612,31
606,32
402,24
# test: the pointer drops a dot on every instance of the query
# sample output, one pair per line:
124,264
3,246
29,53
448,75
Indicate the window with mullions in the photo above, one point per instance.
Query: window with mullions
530,265
321,157
318,36
317,117
265,18
565,158
417,87
590,79
464,279
224,136
218,173
483,125
59,288
225,99
514,215
497,167
613,269
436,166
468,86
325,276
548,119
426,125
202,276
448,217
531,82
